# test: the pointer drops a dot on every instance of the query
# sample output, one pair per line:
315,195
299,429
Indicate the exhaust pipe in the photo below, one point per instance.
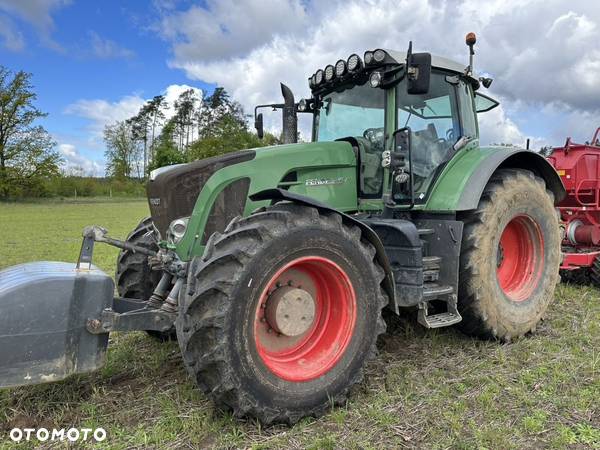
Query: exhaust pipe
289,116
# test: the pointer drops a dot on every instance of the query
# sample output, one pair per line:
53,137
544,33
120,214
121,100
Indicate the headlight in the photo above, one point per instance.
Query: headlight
379,55
329,72
375,79
318,77
311,81
354,62
368,57
177,229
302,105
340,68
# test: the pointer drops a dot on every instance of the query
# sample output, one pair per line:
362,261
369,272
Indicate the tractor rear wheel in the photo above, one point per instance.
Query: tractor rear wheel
281,313
134,278
510,257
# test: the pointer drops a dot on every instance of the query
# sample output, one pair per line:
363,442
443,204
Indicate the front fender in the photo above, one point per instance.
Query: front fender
462,181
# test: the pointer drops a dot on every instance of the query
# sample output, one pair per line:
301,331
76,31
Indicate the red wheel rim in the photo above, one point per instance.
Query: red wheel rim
316,350
520,258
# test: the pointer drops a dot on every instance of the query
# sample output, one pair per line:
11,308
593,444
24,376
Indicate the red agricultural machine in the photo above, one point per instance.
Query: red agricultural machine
579,168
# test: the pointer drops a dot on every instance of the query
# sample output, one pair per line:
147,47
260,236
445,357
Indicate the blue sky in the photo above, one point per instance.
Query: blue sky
96,62
95,50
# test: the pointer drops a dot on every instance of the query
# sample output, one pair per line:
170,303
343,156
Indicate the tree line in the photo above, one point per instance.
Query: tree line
194,127
199,127
28,155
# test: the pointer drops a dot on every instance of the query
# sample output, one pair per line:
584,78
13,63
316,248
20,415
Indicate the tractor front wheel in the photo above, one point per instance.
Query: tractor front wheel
510,257
134,278
281,313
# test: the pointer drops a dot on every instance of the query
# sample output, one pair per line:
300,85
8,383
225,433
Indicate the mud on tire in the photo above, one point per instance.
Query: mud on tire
217,326
496,301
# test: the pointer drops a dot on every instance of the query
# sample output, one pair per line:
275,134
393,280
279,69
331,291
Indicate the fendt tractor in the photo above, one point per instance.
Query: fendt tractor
272,266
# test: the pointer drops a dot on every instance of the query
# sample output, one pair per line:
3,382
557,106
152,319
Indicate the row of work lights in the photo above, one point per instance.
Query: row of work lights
349,67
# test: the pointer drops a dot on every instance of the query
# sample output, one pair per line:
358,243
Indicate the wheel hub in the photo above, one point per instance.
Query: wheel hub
290,310
305,318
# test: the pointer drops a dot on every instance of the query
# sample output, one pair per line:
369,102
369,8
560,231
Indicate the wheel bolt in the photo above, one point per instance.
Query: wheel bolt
270,330
264,305
290,283
263,320
278,284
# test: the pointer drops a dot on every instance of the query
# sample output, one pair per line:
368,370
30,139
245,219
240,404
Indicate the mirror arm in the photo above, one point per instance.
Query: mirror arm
271,105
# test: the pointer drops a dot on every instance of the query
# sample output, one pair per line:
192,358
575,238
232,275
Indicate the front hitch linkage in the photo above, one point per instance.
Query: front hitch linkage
159,312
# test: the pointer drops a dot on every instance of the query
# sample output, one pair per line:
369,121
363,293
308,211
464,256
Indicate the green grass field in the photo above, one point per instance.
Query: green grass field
427,389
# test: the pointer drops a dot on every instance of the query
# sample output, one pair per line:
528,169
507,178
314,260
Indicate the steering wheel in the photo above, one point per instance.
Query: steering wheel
373,134
450,135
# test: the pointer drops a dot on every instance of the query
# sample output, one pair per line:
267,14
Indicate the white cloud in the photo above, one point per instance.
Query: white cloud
107,49
77,164
496,128
38,13
101,112
12,38
172,93
540,52
226,27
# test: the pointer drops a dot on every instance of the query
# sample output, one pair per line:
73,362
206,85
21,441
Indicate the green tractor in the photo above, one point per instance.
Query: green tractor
272,266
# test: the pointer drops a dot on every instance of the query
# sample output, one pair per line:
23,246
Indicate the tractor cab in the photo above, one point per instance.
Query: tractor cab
405,114
388,98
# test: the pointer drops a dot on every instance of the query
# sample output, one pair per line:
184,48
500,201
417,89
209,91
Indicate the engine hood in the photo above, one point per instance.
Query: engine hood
173,191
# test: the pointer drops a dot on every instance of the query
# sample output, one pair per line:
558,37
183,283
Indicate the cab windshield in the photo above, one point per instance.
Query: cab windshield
357,111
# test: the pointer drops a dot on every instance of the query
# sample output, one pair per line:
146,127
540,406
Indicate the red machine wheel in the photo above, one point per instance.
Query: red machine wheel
281,313
305,318
510,257
520,258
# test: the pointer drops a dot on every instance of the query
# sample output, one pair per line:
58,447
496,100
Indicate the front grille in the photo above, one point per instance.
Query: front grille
173,193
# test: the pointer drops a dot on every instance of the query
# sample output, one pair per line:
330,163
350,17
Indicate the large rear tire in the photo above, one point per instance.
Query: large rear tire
134,278
281,313
510,257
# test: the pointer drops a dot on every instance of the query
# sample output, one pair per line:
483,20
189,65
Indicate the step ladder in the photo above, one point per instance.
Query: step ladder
443,319
432,290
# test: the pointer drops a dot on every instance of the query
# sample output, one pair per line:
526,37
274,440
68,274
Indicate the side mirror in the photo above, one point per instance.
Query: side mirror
258,124
418,71
402,140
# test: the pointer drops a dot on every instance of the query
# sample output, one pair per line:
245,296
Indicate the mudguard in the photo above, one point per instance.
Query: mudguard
461,183
388,283
44,307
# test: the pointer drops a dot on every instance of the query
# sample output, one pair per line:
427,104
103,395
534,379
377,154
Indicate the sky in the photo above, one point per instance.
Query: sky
97,62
